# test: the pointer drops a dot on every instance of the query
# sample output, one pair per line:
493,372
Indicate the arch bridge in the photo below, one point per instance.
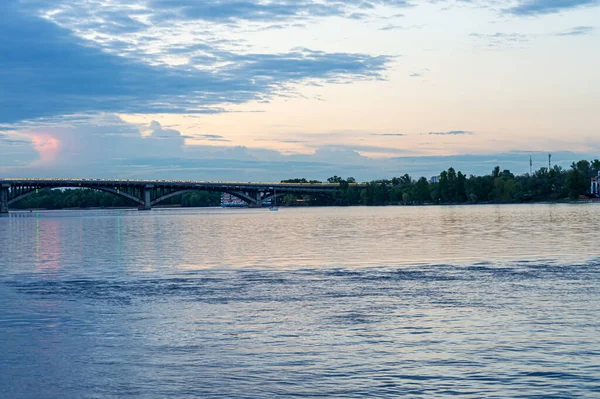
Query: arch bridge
147,193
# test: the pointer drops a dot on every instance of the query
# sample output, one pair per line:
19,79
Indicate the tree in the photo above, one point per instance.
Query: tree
405,180
496,172
452,191
444,187
421,190
461,189
584,167
301,180
576,183
335,179
289,200
545,184
595,167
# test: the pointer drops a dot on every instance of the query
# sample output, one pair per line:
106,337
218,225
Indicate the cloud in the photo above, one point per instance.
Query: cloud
577,31
392,27
365,149
114,148
451,133
540,7
8,141
48,71
389,134
12,140
228,11
210,137
501,39
269,10
286,141
156,131
136,16
16,151
189,31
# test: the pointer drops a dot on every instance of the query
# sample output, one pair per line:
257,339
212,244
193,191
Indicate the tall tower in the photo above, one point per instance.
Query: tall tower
530,166
549,161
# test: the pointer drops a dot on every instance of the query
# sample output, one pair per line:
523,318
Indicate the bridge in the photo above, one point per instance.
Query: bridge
147,193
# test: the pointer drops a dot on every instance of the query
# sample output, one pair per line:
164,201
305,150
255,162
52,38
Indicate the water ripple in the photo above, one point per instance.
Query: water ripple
470,302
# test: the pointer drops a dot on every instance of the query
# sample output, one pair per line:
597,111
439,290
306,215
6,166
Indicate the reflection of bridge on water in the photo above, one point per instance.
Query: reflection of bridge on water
147,193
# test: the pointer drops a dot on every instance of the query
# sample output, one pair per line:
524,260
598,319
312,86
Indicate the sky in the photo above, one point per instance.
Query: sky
264,90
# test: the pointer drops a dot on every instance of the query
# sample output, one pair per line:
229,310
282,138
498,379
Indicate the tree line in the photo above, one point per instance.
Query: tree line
450,187
89,198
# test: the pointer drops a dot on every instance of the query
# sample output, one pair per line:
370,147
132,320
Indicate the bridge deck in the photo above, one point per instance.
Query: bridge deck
150,192
186,183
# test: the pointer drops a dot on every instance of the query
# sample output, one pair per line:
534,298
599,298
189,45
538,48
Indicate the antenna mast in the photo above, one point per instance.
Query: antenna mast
530,166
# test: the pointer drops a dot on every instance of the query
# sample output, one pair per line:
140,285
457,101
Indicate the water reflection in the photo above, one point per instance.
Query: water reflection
348,237
482,301
119,237
37,236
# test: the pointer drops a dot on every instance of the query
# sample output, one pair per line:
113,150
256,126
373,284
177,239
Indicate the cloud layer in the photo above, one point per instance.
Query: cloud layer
52,72
310,82
452,133
540,7
155,152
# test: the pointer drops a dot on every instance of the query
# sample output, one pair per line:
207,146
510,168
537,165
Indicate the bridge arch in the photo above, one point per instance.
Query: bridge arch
271,197
118,193
244,197
151,192
113,191
23,195
173,194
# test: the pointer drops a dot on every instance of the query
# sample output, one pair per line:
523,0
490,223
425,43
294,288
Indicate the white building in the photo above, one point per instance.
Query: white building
595,187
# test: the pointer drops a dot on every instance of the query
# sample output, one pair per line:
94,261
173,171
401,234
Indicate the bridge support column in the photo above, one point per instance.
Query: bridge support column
146,197
257,200
4,199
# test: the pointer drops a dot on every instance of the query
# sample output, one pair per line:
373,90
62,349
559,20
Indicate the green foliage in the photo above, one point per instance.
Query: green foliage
546,184
198,199
335,179
421,191
501,186
454,187
303,180
87,198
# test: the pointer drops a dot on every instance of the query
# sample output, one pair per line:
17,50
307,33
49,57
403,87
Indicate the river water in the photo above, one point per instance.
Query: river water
466,301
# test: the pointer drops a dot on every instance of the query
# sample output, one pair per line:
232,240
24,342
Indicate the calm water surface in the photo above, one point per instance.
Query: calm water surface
468,301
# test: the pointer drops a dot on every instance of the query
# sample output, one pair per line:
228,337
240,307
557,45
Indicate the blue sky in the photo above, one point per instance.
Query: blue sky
267,90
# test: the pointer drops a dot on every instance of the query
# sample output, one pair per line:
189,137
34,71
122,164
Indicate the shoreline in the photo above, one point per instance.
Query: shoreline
578,201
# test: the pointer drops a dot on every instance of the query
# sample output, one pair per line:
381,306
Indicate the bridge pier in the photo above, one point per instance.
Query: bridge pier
256,197
146,193
4,198
147,198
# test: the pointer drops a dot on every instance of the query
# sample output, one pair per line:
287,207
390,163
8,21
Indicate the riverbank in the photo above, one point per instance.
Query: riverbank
566,201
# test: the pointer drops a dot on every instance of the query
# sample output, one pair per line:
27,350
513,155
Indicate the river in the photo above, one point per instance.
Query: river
454,301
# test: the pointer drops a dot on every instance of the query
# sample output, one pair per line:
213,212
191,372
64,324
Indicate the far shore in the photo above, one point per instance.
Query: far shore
577,201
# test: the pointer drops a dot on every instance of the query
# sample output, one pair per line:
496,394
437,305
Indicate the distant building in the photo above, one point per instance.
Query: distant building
595,187
230,201
434,179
